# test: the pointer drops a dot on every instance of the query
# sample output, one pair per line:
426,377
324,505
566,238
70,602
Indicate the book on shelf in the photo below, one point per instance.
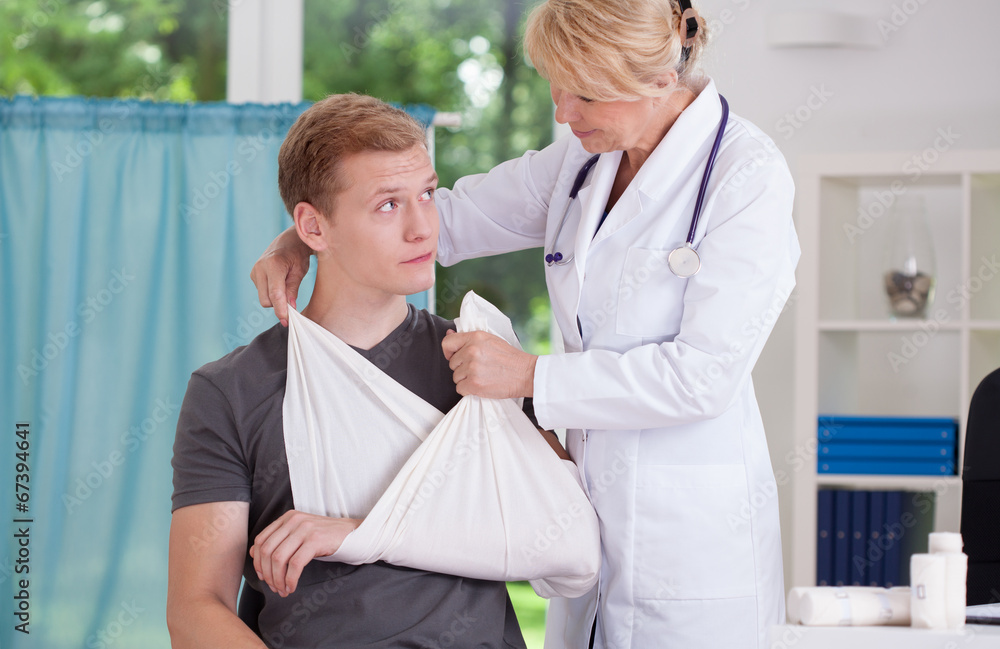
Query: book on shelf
886,467
841,538
859,537
869,451
892,532
874,552
824,537
843,428
866,538
886,445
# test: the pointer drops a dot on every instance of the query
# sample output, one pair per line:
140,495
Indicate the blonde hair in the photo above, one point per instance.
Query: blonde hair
611,49
309,161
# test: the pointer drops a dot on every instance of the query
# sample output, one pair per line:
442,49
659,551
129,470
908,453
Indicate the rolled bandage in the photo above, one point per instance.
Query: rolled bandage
849,606
928,586
949,545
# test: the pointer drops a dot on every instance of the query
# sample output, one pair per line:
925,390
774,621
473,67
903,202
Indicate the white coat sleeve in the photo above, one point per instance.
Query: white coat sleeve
748,258
505,209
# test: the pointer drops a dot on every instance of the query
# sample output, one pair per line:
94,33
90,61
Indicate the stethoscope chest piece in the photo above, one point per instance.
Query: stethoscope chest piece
684,261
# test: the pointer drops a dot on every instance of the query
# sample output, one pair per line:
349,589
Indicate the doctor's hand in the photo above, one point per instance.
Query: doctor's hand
279,272
488,366
283,548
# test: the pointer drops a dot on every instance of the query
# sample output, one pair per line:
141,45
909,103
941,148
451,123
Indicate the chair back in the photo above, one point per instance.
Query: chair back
981,492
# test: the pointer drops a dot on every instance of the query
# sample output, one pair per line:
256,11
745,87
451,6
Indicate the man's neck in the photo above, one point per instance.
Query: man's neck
360,320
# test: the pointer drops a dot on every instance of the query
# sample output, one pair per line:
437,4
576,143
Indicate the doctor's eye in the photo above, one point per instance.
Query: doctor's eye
387,206
428,195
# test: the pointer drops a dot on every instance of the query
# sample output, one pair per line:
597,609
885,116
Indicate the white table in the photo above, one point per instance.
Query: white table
974,636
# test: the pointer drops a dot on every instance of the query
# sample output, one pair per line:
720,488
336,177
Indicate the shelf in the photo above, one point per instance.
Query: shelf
905,325
893,372
851,357
887,325
888,482
854,229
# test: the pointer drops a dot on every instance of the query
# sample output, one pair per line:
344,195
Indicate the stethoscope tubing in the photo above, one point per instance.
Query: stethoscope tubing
556,258
712,155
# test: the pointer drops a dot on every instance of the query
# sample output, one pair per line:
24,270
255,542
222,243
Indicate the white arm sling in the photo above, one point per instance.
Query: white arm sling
476,493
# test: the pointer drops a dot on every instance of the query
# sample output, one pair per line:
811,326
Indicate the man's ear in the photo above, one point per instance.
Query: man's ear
310,225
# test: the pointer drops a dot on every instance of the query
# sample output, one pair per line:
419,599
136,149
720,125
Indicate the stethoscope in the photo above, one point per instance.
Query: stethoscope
683,261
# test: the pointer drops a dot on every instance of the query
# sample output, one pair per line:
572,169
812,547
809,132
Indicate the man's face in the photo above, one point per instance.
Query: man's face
382,237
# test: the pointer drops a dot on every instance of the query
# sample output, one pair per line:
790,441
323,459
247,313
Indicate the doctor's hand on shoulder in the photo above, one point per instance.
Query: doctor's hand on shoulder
488,366
279,272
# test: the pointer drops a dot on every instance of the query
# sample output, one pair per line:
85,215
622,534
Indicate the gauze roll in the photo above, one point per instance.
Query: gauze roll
849,606
928,585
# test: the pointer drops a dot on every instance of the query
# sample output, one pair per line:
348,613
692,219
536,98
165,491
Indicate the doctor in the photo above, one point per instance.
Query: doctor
663,315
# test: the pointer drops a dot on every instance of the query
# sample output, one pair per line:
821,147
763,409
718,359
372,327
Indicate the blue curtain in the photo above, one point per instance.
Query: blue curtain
127,231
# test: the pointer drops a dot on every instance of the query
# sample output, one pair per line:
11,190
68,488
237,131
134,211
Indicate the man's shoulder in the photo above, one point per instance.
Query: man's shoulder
264,356
433,324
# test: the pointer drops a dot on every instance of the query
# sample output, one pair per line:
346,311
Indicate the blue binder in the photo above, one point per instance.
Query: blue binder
893,542
876,546
886,429
886,467
824,541
841,538
859,537
900,451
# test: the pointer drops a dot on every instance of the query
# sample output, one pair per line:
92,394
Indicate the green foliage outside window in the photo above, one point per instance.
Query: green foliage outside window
456,55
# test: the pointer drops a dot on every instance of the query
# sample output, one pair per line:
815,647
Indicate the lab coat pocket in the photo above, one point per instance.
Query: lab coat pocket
691,538
650,296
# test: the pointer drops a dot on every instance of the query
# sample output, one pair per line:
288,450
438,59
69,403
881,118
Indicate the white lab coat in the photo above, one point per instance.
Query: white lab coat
655,384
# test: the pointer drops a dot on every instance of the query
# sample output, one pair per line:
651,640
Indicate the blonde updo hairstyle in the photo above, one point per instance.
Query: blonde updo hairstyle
611,49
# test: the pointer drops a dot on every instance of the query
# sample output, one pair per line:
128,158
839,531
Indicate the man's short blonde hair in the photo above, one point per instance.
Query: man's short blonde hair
309,162
610,49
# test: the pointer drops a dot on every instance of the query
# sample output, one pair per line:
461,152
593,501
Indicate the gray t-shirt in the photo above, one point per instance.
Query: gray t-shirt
230,447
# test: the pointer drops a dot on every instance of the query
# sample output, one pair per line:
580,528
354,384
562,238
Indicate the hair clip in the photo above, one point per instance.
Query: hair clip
692,21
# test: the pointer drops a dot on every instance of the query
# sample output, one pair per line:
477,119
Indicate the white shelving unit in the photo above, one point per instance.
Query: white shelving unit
851,358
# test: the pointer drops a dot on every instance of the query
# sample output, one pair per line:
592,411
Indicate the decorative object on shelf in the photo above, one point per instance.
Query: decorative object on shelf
909,259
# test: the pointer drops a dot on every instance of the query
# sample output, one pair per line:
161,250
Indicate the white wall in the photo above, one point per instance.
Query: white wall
939,70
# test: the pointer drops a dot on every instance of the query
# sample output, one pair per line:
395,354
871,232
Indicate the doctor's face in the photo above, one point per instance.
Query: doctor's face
605,126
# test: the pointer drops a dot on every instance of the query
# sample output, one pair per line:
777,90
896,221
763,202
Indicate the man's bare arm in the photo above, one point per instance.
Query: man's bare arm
553,441
208,545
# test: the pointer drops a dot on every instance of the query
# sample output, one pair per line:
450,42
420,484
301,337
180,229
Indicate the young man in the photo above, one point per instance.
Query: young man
356,177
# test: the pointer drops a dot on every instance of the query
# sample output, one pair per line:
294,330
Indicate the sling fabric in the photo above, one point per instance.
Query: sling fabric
483,495
349,427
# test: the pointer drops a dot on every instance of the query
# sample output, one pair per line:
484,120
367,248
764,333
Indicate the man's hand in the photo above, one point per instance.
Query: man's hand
488,366
283,549
279,272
